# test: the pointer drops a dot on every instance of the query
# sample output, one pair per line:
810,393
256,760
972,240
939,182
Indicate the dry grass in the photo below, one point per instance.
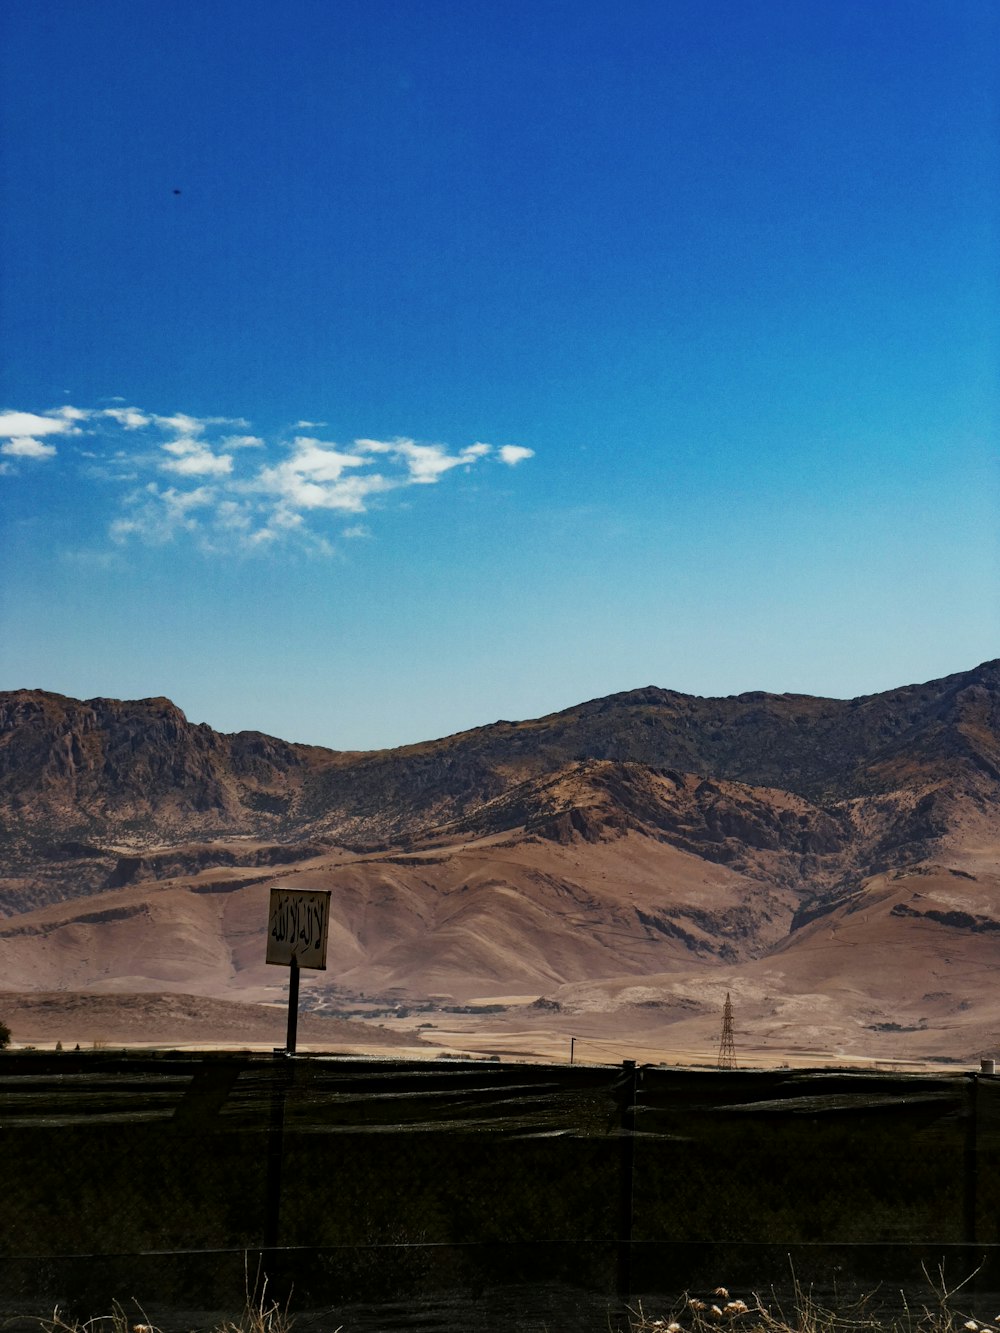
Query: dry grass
259,1318
117,1321
718,1313
802,1313
259,1315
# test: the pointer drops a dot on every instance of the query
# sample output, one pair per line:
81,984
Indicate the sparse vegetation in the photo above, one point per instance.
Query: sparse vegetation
259,1315
718,1312
4,1035
116,1322
803,1313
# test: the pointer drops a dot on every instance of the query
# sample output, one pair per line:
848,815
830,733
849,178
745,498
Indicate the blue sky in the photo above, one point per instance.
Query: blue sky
375,370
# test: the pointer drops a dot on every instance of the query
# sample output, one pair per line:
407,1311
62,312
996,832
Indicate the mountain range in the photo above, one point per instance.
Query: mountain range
614,869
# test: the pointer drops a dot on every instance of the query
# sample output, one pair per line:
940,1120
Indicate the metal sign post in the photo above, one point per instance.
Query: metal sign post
291,1032
298,923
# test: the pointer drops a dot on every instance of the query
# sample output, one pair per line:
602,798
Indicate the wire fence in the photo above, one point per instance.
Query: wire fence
522,1196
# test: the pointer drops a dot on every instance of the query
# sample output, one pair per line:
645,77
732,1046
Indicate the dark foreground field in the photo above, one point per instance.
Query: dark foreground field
450,1195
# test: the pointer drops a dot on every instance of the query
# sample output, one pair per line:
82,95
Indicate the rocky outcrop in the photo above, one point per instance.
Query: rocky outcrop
108,767
95,792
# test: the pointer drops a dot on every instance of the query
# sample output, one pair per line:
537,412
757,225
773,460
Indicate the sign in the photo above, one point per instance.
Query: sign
297,924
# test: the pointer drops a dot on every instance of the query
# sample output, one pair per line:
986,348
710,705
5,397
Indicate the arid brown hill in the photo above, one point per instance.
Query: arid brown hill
624,864
87,788
91,765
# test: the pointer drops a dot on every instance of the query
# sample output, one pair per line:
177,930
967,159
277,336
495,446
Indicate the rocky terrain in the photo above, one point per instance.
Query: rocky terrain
615,867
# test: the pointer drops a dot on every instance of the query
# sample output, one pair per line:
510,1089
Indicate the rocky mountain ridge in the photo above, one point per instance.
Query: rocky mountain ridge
102,767
99,794
627,858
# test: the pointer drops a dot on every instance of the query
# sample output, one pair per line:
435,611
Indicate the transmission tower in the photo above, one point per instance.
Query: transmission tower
727,1047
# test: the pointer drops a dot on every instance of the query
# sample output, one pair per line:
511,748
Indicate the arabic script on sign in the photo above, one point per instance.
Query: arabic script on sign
297,924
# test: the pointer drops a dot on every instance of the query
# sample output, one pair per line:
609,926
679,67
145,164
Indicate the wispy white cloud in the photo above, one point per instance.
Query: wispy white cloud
242,442
424,463
234,515
427,462
192,458
313,477
156,516
514,453
128,417
26,446
230,489
181,423
30,425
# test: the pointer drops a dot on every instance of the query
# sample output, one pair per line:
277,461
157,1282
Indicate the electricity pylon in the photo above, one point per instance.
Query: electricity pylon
727,1047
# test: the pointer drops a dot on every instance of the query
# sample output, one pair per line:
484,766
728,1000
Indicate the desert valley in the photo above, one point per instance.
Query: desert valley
595,880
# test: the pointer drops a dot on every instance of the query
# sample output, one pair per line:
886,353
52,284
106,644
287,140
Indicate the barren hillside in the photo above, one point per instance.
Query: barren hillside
614,864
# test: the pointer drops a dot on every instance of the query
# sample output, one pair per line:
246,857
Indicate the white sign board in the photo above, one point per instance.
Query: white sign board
297,923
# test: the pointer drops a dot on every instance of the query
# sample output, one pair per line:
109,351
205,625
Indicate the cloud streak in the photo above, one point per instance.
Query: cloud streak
17,425
24,435
26,446
213,482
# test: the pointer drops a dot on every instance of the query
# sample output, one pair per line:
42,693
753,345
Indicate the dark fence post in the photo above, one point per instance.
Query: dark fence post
970,1200
293,1006
281,1073
627,1088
